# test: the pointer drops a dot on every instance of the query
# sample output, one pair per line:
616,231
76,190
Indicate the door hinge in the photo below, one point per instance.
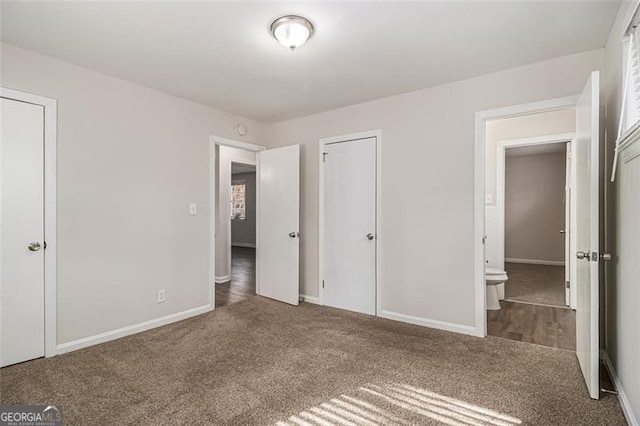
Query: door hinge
322,283
324,156
568,284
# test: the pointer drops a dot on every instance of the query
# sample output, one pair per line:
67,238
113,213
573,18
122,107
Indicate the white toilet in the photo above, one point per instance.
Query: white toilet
495,279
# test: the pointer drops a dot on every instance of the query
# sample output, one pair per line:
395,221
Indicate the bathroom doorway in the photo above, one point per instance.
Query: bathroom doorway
528,222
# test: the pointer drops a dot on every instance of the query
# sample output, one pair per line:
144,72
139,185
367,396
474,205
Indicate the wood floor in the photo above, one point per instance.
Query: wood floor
243,278
542,325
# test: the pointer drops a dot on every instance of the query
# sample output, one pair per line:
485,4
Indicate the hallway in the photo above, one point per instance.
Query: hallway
243,278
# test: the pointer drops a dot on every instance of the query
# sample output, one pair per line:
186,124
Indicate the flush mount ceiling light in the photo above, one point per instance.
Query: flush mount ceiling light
292,31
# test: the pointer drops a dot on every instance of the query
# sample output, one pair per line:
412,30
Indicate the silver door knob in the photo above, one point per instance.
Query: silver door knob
582,255
370,236
605,256
34,246
562,231
294,234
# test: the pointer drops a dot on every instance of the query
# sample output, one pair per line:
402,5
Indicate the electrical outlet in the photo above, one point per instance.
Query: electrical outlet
193,209
161,296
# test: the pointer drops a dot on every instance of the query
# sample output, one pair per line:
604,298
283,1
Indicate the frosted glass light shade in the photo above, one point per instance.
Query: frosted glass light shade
292,31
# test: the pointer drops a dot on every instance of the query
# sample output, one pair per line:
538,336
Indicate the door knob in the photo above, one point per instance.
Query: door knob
562,231
370,236
34,246
605,256
582,255
294,234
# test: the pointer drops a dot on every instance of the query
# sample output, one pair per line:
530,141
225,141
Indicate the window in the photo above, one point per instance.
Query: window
629,125
630,114
238,200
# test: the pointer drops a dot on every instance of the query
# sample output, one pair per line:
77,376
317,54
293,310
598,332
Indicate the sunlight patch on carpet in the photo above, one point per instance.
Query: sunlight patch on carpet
397,404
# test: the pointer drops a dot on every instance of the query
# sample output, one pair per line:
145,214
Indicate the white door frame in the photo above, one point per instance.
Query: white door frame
501,148
479,190
213,141
345,138
50,187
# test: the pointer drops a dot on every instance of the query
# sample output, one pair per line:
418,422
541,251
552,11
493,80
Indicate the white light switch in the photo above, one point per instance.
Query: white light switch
193,209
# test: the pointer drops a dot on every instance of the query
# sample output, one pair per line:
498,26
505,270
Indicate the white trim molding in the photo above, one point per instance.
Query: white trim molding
425,322
222,279
379,237
309,299
130,329
536,261
622,396
50,208
479,189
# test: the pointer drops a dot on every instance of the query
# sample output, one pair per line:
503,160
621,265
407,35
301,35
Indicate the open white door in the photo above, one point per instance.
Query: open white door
587,228
278,218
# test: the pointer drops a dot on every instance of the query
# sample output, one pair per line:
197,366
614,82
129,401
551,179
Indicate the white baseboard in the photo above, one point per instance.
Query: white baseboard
130,329
249,245
425,322
535,261
223,279
624,401
309,299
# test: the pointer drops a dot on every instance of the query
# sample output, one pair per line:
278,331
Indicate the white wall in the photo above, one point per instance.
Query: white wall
130,160
534,207
243,232
622,237
427,181
226,155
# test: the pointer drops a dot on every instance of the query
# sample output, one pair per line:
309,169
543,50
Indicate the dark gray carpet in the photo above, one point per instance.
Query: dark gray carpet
262,362
542,284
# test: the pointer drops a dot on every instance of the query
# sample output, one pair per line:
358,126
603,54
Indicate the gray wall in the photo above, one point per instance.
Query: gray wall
243,232
534,206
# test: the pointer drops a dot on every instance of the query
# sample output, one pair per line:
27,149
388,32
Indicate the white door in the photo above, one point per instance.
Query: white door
350,225
22,232
587,228
278,218
567,227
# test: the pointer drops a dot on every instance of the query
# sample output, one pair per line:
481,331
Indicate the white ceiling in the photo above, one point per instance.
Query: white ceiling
536,149
223,55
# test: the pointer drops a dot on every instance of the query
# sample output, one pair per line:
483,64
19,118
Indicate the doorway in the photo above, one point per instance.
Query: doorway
251,185
236,236
528,222
27,231
349,222
586,150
